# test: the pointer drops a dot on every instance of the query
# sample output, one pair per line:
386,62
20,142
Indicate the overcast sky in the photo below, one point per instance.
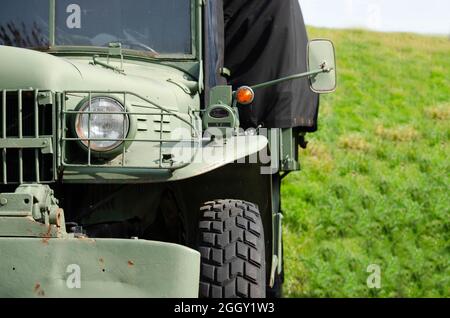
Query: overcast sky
419,16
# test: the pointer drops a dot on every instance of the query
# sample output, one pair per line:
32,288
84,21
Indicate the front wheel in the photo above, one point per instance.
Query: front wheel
231,243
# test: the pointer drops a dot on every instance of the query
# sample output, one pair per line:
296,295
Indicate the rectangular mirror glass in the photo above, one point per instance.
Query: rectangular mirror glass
321,55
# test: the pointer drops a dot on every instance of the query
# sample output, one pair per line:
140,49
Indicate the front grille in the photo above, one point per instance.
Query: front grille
27,121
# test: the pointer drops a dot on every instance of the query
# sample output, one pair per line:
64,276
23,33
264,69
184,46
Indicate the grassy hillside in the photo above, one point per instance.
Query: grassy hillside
375,182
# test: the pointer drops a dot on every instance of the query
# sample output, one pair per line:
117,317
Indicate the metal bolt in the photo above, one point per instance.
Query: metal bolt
3,201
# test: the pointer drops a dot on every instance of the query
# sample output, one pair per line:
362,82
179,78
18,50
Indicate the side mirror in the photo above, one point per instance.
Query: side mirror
321,55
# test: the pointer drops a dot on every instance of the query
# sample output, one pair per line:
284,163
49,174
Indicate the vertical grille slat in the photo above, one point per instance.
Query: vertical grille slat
89,130
23,117
36,134
3,121
19,124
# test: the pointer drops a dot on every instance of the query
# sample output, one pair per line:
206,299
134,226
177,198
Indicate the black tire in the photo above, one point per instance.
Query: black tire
231,243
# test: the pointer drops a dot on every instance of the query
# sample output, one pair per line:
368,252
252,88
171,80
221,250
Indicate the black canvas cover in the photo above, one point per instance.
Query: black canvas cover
266,40
214,43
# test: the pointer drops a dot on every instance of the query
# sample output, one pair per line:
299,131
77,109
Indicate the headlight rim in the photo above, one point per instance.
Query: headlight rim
110,151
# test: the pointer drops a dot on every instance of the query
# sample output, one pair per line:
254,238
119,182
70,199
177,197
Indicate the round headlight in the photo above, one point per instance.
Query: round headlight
112,126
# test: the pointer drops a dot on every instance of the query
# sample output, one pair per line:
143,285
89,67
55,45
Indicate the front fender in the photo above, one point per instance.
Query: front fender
221,153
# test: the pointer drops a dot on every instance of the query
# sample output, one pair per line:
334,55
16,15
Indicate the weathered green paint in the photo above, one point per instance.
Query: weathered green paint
150,81
283,146
161,94
52,22
27,227
220,100
221,95
45,144
31,69
31,211
278,239
212,155
96,61
288,151
108,268
16,204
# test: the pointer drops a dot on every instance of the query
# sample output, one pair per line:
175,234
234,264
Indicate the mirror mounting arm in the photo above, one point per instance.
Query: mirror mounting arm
323,69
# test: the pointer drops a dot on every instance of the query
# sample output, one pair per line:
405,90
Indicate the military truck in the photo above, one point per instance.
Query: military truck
143,144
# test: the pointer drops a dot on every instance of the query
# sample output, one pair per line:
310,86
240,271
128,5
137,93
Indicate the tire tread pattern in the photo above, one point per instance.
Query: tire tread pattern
232,250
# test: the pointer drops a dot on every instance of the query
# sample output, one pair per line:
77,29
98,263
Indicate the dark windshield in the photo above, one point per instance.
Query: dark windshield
162,26
156,26
24,23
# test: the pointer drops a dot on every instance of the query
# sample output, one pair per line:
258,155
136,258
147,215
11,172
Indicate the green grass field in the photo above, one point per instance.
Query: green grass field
374,188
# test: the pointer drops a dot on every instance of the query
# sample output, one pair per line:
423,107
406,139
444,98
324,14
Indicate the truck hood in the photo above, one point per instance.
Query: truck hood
28,69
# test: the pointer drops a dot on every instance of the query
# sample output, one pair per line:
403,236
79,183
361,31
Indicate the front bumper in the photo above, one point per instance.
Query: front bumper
100,268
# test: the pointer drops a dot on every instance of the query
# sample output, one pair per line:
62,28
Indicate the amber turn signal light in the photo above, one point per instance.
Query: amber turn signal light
245,95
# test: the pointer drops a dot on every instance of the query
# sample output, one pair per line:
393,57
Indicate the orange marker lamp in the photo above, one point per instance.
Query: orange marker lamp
245,95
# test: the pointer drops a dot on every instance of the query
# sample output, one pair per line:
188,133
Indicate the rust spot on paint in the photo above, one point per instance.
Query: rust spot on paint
58,217
86,239
130,263
38,290
101,260
47,236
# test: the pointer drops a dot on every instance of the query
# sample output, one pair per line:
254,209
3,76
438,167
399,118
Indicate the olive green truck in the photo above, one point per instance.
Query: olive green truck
127,168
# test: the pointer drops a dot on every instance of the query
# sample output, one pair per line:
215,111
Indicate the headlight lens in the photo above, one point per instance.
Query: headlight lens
102,126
